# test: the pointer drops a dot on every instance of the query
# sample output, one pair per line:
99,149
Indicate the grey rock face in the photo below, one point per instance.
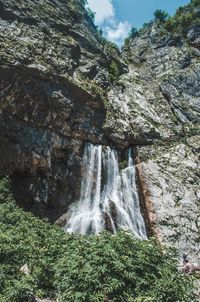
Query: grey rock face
156,107
183,94
161,88
56,93
171,174
43,123
194,36
53,65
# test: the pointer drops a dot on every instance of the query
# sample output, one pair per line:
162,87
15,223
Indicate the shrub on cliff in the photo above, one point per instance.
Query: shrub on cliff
195,2
184,19
161,15
113,72
133,33
79,268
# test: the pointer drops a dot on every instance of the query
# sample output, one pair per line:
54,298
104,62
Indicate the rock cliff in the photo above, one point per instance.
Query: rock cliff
157,103
54,74
163,108
62,84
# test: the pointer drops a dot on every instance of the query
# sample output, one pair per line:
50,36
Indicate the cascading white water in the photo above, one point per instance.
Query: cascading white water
109,198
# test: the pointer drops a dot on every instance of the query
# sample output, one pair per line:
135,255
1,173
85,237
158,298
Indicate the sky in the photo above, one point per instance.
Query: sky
116,17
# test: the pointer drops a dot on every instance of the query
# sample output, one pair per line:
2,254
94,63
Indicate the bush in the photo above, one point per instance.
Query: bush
195,2
184,19
119,267
113,71
91,14
25,239
81,268
133,32
161,15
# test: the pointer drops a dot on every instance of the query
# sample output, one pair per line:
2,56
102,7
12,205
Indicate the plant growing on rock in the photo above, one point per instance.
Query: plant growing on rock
133,33
195,2
91,14
81,268
113,71
184,19
161,15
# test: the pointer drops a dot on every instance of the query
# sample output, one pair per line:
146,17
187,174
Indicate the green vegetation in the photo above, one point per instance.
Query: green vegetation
179,24
161,15
113,72
110,48
91,14
133,33
77,268
184,18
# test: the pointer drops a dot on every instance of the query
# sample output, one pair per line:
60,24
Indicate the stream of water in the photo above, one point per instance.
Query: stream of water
108,198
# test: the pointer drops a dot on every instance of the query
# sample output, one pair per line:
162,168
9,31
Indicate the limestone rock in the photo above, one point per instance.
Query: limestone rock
172,180
53,68
25,269
194,36
58,91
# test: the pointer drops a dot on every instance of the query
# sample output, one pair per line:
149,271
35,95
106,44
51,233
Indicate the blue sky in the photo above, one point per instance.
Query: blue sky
116,17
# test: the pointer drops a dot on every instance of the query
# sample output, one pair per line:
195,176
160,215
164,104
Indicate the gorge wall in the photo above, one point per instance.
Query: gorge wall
62,84
53,69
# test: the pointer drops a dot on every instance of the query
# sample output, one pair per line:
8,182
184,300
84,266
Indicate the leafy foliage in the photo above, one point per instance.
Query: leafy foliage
118,267
161,15
81,268
113,71
91,14
184,18
25,239
195,2
133,33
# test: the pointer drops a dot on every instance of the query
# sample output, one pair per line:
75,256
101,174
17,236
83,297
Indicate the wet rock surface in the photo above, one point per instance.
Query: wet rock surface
54,66
44,121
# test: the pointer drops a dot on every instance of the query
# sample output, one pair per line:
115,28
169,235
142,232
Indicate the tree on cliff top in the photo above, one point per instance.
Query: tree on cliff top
161,15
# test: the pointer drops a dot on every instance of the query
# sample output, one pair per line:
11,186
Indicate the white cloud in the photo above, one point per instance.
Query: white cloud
118,32
105,18
103,9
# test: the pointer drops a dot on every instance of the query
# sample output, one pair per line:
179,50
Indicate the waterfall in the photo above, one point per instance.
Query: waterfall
108,198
